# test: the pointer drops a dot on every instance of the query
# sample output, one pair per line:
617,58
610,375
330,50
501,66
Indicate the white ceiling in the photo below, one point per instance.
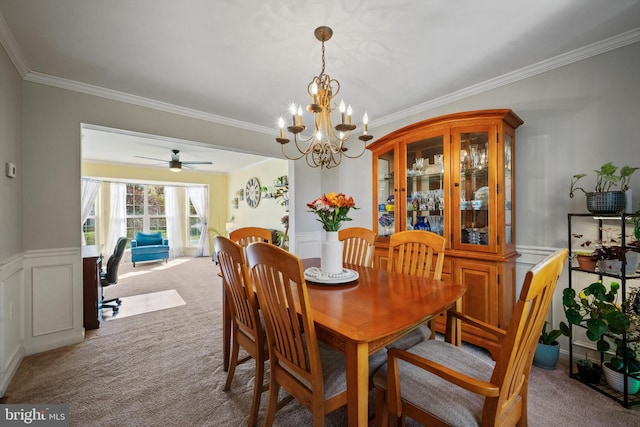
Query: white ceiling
242,62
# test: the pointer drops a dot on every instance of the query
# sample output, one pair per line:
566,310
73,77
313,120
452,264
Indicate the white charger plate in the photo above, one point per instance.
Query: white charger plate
314,275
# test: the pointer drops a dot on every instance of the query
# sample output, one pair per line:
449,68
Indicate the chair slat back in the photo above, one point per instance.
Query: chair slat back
359,244
413,252
246,235
235,275
293,347
513,365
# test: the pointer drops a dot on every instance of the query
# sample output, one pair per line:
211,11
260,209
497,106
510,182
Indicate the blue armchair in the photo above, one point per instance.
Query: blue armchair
149,247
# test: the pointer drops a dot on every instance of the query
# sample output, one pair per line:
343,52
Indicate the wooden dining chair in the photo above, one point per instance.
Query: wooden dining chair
359,244
247,328
416,253
442,384
306,368
246,235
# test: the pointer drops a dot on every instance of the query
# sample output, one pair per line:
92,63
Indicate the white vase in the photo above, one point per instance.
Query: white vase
331,258
615,380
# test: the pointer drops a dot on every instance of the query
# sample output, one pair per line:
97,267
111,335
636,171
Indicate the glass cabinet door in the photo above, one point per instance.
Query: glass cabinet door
474,188
425,195
386,194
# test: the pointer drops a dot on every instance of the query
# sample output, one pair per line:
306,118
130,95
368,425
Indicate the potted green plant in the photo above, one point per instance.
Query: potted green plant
605,320
635,220
548,348
585,256
608,195
590,372
265,192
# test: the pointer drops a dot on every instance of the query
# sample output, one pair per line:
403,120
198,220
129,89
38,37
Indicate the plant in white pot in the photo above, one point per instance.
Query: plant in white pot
605,320
548,348
611,257
608,194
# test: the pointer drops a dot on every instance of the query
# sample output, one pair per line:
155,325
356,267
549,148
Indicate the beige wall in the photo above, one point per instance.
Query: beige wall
12,295
10,151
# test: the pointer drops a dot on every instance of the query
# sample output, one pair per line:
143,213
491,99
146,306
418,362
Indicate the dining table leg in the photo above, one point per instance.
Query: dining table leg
357,360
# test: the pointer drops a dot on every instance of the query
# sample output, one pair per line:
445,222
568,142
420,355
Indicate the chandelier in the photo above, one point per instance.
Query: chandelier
325,146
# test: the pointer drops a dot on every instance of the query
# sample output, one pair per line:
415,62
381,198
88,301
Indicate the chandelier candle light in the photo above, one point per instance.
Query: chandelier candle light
332,210
326,144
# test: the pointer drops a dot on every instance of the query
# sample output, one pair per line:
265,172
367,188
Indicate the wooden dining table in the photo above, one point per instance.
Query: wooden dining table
361,317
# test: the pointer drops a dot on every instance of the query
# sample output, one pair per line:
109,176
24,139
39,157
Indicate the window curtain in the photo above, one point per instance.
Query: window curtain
88,196
118,215
199,200
172,213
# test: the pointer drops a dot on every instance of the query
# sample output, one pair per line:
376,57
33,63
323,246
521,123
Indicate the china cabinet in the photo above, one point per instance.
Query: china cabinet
454,175
627,277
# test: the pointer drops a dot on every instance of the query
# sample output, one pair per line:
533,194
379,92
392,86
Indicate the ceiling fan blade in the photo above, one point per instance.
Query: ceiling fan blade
197,163
151,158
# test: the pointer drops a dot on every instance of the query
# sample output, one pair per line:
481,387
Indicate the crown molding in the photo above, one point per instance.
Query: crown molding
615,42
11,47
46,79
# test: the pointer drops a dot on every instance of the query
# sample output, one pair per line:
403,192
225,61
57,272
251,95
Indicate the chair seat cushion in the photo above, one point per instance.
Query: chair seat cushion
453,405
334,368
150,249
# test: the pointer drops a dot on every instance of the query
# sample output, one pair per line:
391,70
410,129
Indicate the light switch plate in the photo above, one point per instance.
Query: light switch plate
10,170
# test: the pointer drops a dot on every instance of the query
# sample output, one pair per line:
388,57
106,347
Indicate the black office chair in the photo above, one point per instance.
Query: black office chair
110,276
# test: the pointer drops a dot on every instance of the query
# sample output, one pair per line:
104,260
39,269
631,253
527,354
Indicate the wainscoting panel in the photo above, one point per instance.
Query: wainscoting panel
52,287
11,318
53,299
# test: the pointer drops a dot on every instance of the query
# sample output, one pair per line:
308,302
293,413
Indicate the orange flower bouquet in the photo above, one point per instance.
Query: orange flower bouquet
332,209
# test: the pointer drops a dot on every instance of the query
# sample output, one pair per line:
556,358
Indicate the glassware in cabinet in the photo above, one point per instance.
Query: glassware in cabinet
386,193
425,195
474,188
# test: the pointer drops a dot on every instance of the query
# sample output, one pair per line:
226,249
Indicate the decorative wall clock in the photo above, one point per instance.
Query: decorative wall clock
252,192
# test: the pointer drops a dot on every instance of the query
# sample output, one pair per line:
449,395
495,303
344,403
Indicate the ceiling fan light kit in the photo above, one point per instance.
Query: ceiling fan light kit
325,145
175,166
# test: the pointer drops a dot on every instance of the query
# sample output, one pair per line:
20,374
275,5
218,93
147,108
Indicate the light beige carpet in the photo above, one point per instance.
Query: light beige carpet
164,368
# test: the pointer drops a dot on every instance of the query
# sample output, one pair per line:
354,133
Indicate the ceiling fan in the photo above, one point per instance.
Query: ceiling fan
175,165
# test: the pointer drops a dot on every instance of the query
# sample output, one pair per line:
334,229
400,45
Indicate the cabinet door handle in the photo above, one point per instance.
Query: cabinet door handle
456,184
